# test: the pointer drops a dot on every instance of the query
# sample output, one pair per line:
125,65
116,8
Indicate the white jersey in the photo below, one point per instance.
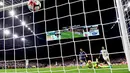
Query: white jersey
56,64
104,53
27,62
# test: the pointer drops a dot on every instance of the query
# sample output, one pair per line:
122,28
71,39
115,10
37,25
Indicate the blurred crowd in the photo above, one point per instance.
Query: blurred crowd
119,61
12,65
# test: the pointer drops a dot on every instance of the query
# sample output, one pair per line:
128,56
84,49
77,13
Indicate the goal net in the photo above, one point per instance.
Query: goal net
64,36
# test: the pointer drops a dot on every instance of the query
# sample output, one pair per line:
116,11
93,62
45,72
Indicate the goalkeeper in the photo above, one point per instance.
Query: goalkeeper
96,65
82,57
91,64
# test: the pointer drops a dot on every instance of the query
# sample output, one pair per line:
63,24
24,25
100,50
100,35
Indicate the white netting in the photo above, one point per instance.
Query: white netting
126,4
49,40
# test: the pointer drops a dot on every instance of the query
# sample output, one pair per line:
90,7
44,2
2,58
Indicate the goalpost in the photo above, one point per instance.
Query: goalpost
125,38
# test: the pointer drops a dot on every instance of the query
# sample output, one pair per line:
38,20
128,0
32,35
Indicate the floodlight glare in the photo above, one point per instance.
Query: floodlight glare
1,3
23,23
6,32
22,39
12,13
15,36
26,26
16,17
29,29
129,4
126,9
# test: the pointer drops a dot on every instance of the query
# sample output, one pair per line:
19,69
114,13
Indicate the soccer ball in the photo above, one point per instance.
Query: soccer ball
34,5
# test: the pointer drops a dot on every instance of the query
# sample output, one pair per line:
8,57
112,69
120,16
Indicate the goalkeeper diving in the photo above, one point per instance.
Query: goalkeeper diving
105,56
82,57
91,64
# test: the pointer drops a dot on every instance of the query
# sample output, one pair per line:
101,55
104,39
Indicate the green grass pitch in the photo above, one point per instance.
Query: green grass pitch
68,35
115,69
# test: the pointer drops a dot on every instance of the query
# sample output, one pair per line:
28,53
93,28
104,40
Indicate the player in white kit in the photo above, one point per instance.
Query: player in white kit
105,56
27,63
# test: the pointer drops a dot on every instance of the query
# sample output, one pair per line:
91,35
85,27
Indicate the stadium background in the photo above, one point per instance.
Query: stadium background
41,52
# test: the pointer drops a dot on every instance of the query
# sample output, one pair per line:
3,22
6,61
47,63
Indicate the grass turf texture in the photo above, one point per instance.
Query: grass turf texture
68,35
115,69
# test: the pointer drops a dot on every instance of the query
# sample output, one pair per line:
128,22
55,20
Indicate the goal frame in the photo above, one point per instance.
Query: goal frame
124,33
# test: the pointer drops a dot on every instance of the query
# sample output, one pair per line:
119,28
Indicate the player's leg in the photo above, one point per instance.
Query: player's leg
108,62
96,65
81,63
26,65
85,61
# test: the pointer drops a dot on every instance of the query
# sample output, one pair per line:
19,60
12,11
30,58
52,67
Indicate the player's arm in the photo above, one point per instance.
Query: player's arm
85,54
107,52
100,54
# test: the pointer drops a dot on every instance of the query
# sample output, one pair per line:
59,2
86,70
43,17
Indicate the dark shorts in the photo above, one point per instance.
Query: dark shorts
83,59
